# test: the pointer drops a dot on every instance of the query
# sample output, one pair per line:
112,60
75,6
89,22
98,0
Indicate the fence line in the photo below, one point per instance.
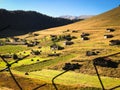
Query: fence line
103,88
53,83
8,68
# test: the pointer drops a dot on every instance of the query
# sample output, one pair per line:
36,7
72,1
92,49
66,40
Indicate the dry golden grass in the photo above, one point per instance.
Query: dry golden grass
96,27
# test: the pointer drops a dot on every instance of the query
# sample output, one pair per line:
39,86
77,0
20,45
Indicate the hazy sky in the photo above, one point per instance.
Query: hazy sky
61,7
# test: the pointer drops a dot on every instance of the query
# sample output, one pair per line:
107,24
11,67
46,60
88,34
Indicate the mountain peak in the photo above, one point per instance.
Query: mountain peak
76,17
107,19
22,22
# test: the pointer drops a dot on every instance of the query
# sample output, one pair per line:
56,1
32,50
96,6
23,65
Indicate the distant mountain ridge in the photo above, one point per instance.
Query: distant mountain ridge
22,22
109,18
76,17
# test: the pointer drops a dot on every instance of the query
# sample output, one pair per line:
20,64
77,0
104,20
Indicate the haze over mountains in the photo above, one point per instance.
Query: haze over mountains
76,17
108,19
22,22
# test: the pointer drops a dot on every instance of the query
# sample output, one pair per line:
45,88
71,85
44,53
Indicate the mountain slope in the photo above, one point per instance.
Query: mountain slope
95,28
107,19
77,53
22,22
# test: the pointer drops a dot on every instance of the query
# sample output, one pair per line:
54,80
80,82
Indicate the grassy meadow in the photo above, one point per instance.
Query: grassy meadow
42,68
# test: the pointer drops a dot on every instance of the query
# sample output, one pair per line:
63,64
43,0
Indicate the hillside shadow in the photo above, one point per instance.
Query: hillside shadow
23,22
105,62
9,32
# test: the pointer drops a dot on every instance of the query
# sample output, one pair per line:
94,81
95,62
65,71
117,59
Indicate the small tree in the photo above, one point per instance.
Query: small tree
15,56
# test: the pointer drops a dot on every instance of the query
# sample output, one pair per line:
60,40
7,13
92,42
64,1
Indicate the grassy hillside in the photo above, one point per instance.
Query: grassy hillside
107,19
22,22
49,66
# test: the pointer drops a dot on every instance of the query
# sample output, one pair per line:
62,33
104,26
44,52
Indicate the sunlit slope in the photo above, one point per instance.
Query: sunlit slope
107,19
110,18
76,53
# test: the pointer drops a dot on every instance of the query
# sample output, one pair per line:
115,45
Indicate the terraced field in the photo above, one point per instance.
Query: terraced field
42,68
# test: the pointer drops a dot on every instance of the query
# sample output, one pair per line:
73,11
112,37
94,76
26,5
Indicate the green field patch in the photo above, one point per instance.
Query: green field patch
45,49
24,52
23,62
28,61
72,78
44,64
2,65
12,48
